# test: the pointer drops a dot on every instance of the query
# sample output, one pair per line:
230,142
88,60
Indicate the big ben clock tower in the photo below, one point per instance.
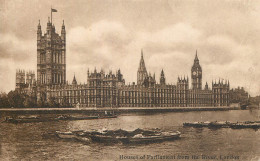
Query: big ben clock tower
196,74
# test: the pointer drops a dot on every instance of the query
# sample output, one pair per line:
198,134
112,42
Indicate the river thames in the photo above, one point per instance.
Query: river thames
25,141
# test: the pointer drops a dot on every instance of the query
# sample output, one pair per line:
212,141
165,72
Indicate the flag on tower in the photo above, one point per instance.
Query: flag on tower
53,10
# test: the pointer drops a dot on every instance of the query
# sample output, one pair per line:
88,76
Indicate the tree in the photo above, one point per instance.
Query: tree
30,102
16,99
65,102
52,102
4,101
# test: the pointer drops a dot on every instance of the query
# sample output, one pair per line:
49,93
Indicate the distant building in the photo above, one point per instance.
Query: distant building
239,95
110,90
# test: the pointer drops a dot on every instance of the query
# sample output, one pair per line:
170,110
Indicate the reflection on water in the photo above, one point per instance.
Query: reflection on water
25,141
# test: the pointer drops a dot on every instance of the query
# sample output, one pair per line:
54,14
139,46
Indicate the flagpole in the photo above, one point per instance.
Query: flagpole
51,15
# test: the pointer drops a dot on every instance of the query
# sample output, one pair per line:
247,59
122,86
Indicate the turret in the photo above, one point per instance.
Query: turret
119,75
206,86
63,32
39,32
49,27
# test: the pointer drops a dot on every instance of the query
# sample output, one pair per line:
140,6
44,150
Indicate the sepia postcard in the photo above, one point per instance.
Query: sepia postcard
130,80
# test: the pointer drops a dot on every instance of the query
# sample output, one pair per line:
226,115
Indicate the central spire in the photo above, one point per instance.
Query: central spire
196,63
196,57
142,72
142,64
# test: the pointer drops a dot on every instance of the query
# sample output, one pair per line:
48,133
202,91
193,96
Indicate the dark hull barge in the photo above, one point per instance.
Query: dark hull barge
137,136
59,118
28,120
225,124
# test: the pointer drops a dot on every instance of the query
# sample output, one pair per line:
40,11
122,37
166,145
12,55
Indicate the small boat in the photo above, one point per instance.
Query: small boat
83,139
157,137
65,135
49,135
251,122
221,124
197,124
243,126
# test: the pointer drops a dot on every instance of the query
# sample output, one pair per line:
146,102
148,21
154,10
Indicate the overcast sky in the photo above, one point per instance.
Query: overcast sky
110,34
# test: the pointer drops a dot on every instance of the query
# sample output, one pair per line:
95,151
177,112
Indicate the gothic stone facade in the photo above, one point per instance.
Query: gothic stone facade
51,59
110,90
25,83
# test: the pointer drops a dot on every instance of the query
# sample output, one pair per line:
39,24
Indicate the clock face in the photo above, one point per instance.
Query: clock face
194,73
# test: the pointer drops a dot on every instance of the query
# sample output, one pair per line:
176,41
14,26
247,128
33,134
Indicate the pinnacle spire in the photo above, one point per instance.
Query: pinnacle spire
162,73
63,27
142,64
142,72
74,82
196,56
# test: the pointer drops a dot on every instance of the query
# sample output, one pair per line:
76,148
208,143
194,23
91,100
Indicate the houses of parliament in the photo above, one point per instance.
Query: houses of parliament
109,89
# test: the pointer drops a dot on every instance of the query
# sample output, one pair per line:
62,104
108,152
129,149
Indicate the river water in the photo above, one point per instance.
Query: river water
25,141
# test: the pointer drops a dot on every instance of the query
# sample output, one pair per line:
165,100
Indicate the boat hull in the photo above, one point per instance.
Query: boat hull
148,139
104,139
